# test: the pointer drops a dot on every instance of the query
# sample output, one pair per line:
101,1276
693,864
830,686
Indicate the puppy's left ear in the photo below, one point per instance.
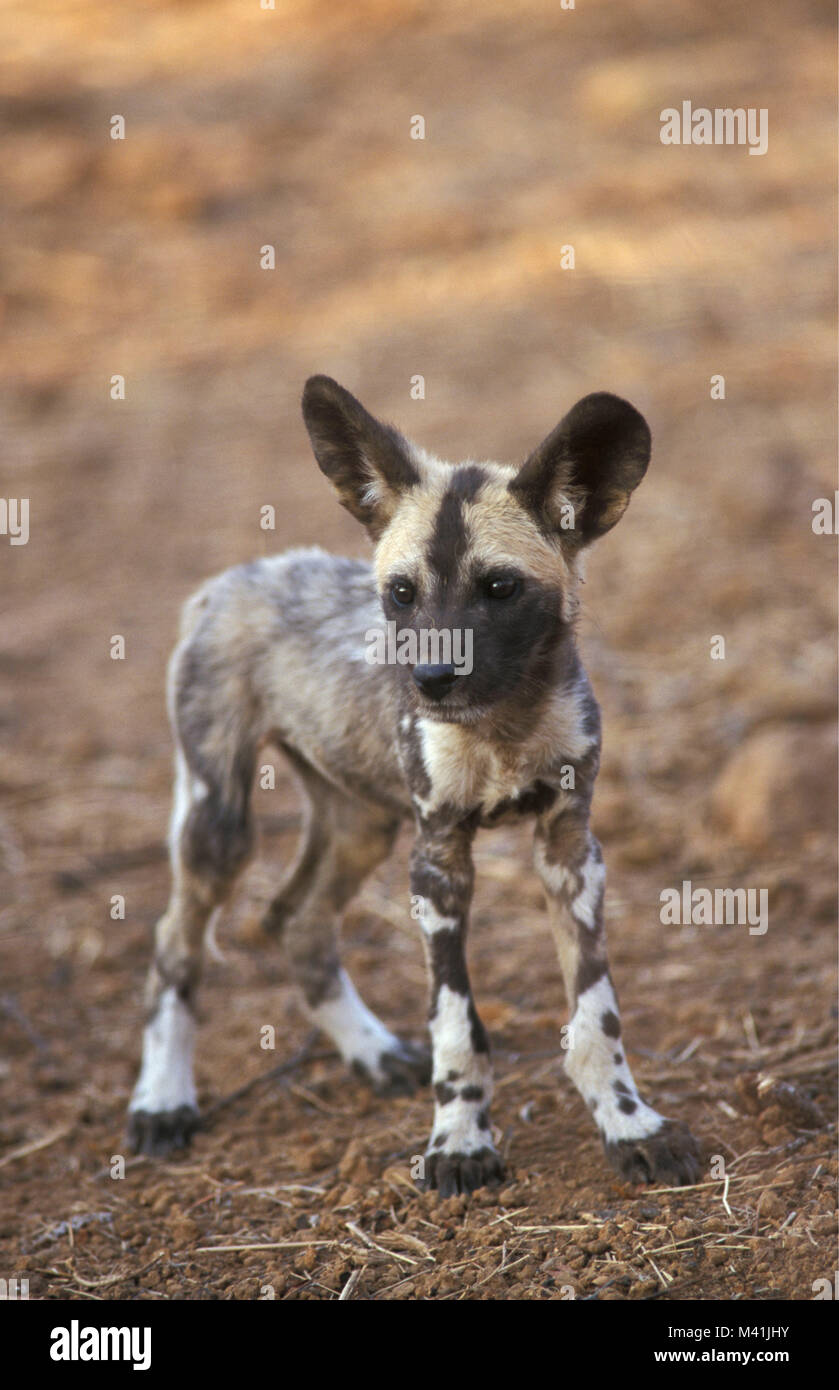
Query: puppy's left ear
594,459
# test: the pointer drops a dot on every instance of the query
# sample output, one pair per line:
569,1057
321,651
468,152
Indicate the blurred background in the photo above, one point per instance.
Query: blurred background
395,258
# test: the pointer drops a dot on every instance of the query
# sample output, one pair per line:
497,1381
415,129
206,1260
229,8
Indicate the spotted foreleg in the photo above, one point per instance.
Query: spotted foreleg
641,1144
460,1156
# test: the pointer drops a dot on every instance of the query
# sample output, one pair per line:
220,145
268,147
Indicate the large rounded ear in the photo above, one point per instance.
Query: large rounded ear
579,480
369,464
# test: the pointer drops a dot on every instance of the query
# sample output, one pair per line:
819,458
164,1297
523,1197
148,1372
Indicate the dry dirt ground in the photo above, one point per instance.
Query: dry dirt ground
397,257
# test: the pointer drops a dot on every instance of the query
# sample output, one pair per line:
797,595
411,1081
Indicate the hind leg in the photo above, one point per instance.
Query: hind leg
210,840
343,842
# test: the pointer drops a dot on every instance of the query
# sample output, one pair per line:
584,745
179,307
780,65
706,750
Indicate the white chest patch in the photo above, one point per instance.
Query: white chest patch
464,770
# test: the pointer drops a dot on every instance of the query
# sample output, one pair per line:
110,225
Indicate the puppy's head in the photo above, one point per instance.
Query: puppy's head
477,565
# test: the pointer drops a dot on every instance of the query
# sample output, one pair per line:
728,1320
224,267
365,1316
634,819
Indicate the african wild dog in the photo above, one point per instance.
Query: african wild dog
273,651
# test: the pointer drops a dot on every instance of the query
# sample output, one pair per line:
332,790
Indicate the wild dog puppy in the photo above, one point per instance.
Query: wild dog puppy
276,651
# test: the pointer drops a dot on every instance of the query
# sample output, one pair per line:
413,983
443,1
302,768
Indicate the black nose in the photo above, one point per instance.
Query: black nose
434,681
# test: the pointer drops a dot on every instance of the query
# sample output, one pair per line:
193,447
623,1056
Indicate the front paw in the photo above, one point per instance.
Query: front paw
669,1157
455,1173
162,1132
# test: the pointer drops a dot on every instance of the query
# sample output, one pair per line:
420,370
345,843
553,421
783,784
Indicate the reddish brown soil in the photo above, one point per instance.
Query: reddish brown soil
397,257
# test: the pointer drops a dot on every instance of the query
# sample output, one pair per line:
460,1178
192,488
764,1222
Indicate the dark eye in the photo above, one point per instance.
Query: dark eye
503,586
402,592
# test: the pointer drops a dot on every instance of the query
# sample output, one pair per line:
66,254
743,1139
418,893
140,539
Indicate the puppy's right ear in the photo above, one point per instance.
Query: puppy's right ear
369,464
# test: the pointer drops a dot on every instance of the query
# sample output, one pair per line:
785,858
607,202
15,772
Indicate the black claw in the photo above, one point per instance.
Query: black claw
669,1157
459,1174
162,1132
